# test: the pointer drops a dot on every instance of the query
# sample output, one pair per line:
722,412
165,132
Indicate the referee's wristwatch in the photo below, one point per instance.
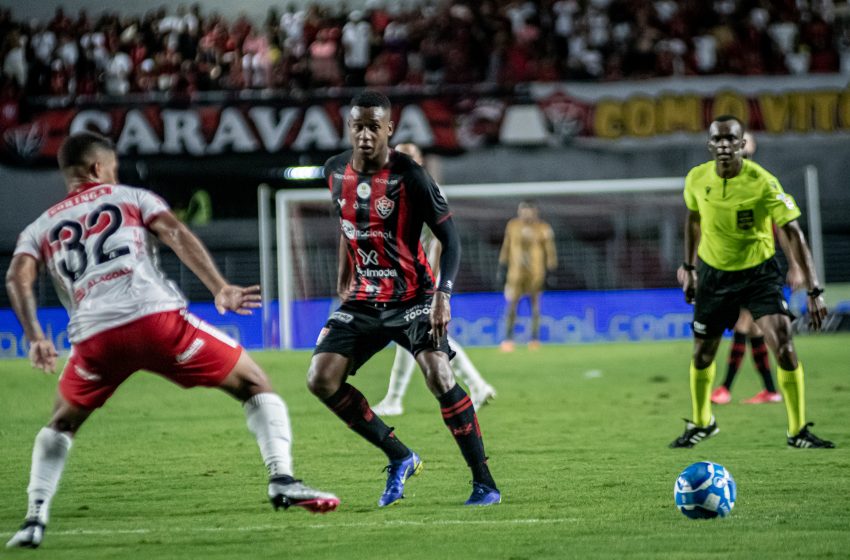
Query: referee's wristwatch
817,291
688,267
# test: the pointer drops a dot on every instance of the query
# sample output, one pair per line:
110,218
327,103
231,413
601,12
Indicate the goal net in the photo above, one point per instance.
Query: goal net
610,235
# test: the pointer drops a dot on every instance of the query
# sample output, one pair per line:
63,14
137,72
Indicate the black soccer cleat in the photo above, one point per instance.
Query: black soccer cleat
287,493
695,434
806,439
29,535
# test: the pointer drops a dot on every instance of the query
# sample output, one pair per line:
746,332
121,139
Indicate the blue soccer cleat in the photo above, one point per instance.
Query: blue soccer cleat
483,495
397,474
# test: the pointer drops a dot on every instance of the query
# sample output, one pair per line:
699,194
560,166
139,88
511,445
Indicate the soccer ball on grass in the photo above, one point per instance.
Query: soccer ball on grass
705,490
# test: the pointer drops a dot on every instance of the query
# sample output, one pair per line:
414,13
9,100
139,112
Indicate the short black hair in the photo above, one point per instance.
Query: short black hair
727,118
529,203
77,148
371,98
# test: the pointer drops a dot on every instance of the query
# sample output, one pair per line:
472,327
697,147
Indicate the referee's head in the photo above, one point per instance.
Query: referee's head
87,157
726,139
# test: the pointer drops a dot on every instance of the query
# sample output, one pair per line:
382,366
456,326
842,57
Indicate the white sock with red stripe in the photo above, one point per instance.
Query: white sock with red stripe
48,461
268,420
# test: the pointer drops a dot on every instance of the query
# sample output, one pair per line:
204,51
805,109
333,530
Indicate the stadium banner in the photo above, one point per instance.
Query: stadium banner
477,319
442,119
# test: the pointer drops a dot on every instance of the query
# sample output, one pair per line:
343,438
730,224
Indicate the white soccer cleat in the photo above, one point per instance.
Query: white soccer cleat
388,407
29,535
482,396
296,493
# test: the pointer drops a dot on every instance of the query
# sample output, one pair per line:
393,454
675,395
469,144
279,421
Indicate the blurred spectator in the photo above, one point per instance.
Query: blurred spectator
14,61
421,42
357,44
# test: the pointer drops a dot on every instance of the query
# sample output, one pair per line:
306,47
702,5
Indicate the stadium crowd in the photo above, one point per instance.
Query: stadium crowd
390,43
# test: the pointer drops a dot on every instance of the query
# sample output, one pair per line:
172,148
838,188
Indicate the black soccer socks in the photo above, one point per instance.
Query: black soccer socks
352,407
459,416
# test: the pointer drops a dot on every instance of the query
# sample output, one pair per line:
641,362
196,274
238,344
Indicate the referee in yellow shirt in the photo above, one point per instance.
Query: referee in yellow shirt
732,204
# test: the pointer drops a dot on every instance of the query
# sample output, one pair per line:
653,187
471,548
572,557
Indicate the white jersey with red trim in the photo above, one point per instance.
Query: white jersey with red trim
102,257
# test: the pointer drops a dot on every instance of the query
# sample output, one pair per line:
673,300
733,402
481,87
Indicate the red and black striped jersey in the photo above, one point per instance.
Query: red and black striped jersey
381,215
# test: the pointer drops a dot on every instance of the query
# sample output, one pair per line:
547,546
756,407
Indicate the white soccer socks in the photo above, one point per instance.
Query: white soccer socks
48,461
268,420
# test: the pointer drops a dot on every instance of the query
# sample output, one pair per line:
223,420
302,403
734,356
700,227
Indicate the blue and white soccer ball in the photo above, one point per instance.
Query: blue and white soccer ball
705,490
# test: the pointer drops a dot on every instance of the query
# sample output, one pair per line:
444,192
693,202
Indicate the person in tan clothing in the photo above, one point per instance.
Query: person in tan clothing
526,260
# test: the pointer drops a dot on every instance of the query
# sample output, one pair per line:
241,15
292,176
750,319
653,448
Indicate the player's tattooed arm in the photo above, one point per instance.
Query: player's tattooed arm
191,251
20,280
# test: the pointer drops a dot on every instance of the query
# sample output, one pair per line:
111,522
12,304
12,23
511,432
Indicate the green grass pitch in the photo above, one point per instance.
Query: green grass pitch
577,441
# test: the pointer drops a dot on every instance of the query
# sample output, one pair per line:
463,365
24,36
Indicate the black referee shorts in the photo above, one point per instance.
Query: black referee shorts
359,330
721,294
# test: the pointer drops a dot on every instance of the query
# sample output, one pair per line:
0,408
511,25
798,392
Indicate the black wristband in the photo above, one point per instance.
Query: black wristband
688,267
815,292
446,287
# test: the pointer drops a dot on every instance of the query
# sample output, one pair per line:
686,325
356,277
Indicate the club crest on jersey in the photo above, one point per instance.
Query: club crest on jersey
364,190
384,206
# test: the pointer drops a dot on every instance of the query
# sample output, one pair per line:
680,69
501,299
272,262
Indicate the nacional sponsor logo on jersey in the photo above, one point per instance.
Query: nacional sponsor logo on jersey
376,273
384,206
364,190
342,317
417,311
352,232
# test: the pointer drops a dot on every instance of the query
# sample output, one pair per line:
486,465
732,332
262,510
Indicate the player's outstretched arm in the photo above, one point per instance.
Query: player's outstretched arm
20,280
799,251
687,273
191,251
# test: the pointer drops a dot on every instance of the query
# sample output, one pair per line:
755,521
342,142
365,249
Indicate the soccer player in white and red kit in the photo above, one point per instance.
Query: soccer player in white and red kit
98,246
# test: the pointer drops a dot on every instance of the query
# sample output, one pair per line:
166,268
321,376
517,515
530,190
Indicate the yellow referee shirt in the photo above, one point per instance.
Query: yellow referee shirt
736,215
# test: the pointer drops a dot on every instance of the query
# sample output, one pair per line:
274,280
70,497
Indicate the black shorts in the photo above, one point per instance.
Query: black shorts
721,294
359,330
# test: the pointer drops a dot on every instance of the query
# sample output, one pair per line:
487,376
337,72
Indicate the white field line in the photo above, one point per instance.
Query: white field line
320,526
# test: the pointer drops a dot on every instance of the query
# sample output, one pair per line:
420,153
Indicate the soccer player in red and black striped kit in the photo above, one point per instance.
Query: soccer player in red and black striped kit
389,294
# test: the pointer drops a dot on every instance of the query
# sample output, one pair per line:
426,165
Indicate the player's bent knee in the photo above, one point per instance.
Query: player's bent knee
321,383
246,379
